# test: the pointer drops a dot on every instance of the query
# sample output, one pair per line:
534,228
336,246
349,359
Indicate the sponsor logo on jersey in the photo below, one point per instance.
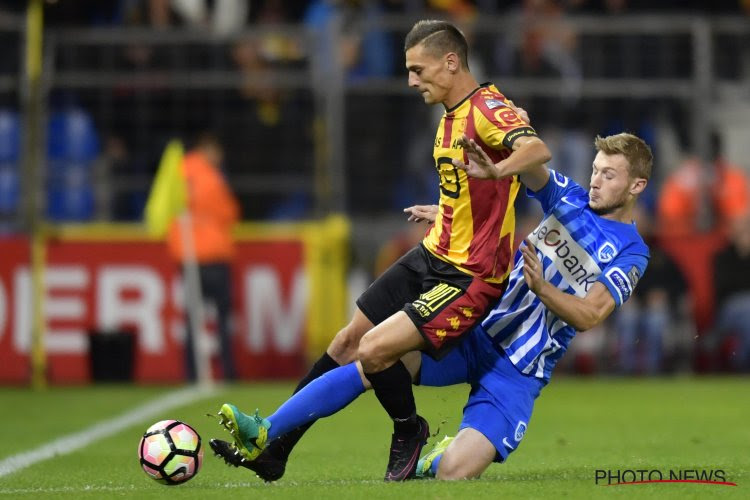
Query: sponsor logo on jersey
578,268
520,430
566,200
494,103
607,252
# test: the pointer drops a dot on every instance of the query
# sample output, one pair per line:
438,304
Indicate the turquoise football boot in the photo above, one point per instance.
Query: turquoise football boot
250,432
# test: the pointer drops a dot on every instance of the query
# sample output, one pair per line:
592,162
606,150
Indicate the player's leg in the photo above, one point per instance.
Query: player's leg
324,396
495,416
379,352
321,397
386,295
343,350
456,367
398,285
451,303
251,432
466,457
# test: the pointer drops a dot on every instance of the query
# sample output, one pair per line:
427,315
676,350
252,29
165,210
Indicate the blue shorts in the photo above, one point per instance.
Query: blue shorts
501,398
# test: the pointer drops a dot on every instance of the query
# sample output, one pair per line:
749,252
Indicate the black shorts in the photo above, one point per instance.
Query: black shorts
443,302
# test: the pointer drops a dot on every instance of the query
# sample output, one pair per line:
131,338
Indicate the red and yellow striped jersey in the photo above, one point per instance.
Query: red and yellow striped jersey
476,220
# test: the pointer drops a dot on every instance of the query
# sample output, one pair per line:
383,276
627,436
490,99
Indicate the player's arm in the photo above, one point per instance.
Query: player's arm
527,159
580,313
529,163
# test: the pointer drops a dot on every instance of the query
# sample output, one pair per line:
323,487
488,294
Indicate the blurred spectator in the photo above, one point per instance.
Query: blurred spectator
221,17
347,32
213,211
690,189
651,326
732,288
257,57
545,46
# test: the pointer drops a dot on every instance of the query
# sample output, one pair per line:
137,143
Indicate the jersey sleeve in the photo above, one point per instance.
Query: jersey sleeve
623,274
557,187
498,125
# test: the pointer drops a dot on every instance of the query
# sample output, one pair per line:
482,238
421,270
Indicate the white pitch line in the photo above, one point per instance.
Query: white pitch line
76,441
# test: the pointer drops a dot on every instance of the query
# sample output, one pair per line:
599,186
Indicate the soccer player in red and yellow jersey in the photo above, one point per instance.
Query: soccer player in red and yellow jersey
440,289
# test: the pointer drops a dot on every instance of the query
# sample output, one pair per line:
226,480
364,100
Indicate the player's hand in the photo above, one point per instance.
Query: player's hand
480,165
419,213
532,266
522,114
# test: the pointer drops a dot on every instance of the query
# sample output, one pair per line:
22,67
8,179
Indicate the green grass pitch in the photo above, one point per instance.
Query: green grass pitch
579,426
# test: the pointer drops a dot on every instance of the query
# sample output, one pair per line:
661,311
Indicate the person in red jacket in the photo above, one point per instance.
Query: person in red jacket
213,211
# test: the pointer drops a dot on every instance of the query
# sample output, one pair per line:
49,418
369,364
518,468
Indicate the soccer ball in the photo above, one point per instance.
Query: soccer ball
170,452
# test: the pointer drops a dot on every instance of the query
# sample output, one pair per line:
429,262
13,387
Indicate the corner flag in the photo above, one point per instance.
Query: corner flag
168,195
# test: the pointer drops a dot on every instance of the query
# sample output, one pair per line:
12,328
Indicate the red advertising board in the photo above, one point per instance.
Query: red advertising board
134,286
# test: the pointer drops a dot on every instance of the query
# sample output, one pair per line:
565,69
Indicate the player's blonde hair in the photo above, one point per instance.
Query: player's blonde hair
634,149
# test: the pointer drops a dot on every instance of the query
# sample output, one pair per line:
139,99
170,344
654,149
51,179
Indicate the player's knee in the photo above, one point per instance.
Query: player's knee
371,355
344,345
453,467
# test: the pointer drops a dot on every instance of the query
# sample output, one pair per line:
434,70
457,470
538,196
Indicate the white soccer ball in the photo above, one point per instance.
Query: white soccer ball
170,452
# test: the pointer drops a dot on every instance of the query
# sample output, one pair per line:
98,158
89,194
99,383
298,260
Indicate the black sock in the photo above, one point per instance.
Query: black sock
282,446
392,387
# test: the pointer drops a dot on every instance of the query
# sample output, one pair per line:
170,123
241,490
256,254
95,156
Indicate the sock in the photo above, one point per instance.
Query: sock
434,465
281,448
322,397
321,366
392,387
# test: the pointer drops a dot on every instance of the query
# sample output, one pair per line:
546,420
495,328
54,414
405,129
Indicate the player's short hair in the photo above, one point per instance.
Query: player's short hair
439,37
634,149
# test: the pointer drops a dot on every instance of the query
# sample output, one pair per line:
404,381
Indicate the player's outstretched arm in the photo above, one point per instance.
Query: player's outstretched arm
580,313
419,213
528,162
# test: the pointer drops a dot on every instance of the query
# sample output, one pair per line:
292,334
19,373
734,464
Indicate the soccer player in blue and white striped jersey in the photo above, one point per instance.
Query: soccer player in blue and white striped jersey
581,262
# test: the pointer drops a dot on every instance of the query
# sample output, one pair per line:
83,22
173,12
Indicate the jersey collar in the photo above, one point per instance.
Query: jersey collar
454,108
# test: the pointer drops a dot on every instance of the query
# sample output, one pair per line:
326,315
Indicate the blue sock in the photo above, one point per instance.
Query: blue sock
322,397
434,465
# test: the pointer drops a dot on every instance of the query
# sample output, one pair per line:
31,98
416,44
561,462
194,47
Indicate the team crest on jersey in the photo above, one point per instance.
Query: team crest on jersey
559,179
607,252
520,430
494,103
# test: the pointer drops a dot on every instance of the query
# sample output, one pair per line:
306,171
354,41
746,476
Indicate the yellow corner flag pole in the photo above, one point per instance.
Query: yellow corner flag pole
167,201
33,147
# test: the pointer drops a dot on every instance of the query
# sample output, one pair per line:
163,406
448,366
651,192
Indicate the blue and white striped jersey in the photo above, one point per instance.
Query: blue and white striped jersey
577,248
